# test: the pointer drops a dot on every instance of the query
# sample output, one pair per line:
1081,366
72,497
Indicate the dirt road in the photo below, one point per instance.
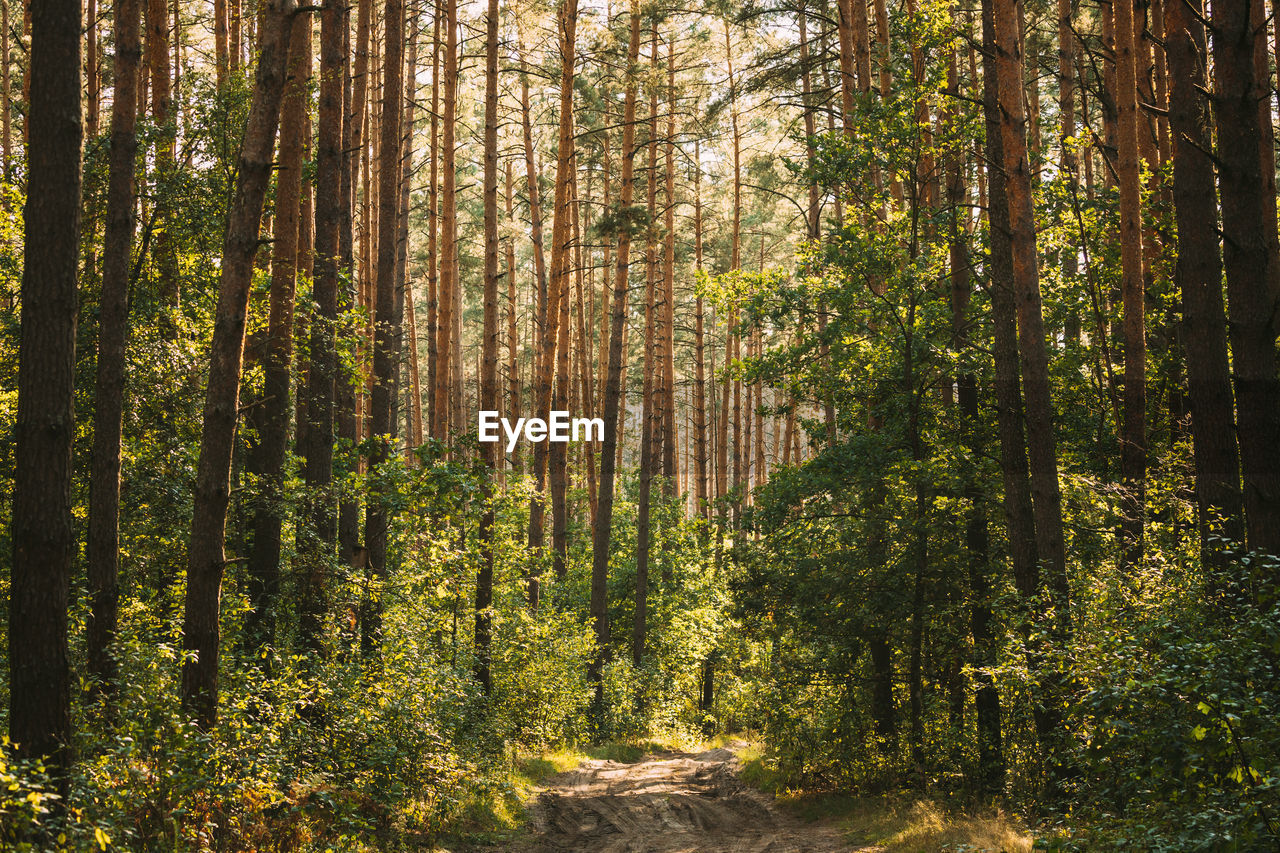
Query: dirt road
667,803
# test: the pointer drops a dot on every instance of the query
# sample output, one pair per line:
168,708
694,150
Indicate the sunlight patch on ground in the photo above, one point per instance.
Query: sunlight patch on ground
906,826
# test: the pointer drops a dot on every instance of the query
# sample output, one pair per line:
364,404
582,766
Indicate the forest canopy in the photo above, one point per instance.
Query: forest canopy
927,352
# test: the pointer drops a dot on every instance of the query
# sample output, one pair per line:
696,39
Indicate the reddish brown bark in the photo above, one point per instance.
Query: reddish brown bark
603,532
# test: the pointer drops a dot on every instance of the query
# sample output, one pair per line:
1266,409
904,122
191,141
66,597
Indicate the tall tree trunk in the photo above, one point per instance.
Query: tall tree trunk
43,536
165,251
6,93
561,268
320,402
433,234
1252,268
489,365
1032,345
103,546
93,79
386,323
404,286
513,340
531,184
650,407
991,763
272,411
1199,276
448,289
205,552
220,42
1133,445
1032,500
348,421
669,427
699,354
603,531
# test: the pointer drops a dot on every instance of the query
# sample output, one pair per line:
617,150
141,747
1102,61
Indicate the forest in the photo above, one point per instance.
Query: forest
926,350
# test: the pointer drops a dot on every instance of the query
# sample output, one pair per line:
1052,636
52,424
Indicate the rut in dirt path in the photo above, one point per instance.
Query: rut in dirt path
668,803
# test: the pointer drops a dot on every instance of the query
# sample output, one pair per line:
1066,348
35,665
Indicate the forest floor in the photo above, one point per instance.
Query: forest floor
671,801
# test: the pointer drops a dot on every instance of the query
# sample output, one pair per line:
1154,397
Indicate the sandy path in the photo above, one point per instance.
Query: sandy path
667,803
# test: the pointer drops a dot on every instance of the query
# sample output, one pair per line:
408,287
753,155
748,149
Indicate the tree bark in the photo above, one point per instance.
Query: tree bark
43,536
386,323
1199,276
1252,270
103,545
272,411
448,223
205,552
320,400
1133,445
561,268
489,364
603,531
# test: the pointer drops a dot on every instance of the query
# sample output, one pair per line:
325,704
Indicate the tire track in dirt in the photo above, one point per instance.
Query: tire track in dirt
671,802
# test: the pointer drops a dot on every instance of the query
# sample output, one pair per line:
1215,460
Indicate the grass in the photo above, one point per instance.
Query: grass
925,825
907,825
892,824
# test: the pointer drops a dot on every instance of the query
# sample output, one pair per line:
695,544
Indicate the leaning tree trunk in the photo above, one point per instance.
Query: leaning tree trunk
205,552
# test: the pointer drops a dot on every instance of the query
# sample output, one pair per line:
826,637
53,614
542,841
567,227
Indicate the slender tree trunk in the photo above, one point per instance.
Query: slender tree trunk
320,401
1133,456
434,422
103,546
561,263
272,411
699,354
448,223
348,418
220,42
991,763
164,252
404,286
43,536
650,415
386,323
669,428
6,91
1032,346
513,340
93,79
603,531
531,184
205,552
489,365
